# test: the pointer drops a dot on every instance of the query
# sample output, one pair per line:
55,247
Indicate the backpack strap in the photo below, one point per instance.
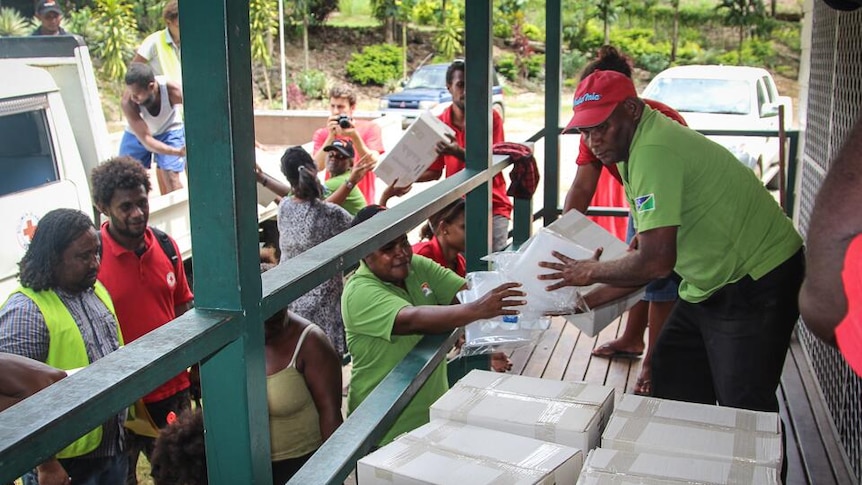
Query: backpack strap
167,246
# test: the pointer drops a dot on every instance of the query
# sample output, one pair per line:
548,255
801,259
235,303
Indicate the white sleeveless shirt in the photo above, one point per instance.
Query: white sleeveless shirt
169,117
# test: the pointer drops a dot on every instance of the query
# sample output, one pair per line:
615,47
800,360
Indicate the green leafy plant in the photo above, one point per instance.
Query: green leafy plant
447,41
572,63
426,12
12,23
83,23
375,64
507,66
312,83
263,20
118,37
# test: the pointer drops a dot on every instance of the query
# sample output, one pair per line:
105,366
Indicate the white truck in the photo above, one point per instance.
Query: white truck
52,134
728,98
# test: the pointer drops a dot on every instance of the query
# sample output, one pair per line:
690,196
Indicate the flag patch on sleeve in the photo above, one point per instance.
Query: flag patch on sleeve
645,203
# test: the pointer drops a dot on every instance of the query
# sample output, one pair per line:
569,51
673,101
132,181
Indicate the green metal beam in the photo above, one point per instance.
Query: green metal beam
337,457
330,257
38,427
219,129
553,74
478,112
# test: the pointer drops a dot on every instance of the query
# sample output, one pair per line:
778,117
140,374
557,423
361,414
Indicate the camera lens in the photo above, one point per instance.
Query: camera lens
344,121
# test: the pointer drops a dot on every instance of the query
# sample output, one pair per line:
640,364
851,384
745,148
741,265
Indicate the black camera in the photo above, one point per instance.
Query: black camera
344,121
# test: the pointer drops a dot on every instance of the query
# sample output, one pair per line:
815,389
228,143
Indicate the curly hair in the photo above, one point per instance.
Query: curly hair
343,91
56,231
608,58
179,456
123,172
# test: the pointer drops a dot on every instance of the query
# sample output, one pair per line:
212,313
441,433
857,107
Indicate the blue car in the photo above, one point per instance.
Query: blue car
426,90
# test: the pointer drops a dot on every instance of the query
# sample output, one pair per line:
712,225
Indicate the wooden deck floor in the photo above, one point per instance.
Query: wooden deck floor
813,456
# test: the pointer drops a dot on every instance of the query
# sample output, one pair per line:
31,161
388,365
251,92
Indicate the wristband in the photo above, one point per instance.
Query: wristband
349,184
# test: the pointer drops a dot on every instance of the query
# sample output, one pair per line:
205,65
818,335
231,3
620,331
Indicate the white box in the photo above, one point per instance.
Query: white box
685,438
705,414
592,236
414,152
680,469
569,413
593,477
443,452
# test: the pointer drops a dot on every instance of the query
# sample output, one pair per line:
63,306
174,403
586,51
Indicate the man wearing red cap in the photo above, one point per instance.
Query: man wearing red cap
701,213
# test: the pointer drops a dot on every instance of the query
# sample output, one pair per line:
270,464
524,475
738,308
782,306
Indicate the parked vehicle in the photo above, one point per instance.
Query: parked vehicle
426,90
728,98
52,134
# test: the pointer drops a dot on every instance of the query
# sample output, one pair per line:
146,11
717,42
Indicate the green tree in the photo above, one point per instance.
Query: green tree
116,39
263,20
743,14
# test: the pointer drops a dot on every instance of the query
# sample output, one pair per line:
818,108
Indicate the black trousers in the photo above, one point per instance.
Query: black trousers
730,348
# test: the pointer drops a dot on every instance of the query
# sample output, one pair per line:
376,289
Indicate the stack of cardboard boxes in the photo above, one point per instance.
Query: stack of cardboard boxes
676,442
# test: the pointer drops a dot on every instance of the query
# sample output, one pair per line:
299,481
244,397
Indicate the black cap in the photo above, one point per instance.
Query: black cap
45,6
344,147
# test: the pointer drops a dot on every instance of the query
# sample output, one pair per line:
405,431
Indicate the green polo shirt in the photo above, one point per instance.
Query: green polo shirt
369,307
354,201
729,225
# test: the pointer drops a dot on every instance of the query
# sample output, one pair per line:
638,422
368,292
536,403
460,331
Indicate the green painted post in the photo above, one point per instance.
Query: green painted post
219,129
522,219
478,72
553,48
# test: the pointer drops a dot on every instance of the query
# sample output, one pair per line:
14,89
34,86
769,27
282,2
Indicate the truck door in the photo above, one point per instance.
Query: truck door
32,182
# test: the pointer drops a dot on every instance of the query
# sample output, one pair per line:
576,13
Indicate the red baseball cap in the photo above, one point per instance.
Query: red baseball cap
597,96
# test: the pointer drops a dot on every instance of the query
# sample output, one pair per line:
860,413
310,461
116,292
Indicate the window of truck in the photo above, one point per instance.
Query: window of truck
27,159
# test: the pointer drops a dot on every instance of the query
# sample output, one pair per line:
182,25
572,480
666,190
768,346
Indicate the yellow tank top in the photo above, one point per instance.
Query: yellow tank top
294,425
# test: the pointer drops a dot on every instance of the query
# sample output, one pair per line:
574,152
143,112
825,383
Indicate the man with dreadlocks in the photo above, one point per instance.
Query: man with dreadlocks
62,316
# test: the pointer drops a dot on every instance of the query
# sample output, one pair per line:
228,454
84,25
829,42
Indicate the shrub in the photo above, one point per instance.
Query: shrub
501,29
572,63
82,22
507,66
118,37
426,12
754,53
12,23
535,66
533,32
654,62
312,83
375,64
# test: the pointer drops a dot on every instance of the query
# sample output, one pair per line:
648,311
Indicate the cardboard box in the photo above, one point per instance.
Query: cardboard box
414,152
679,469
705,414
443,452
592,236
568,413
686,438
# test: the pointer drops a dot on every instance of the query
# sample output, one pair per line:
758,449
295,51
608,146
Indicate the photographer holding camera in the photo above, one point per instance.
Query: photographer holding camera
364,135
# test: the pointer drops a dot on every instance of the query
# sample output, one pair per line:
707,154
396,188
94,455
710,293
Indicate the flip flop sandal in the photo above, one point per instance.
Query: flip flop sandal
606,350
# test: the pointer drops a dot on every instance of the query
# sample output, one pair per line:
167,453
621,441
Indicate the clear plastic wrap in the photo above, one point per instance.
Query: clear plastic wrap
523,267
503,333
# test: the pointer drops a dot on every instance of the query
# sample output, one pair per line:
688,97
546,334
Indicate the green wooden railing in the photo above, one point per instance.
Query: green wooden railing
224,332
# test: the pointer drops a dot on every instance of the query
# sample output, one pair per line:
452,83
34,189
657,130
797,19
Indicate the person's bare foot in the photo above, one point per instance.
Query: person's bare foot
643,386
619,348
500,362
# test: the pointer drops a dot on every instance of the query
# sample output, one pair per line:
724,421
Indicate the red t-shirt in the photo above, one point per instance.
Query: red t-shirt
432,250
609,191
500,203
145,291
371,135
848,333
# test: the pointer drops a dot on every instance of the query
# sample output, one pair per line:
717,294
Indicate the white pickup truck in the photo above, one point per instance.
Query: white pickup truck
728,98
52,133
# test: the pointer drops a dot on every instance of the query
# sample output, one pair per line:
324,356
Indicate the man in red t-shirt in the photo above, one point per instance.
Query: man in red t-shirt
830,300
365,136
451,156
148,289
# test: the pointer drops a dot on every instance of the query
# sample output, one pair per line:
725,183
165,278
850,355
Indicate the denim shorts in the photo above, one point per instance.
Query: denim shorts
130,145
663,289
